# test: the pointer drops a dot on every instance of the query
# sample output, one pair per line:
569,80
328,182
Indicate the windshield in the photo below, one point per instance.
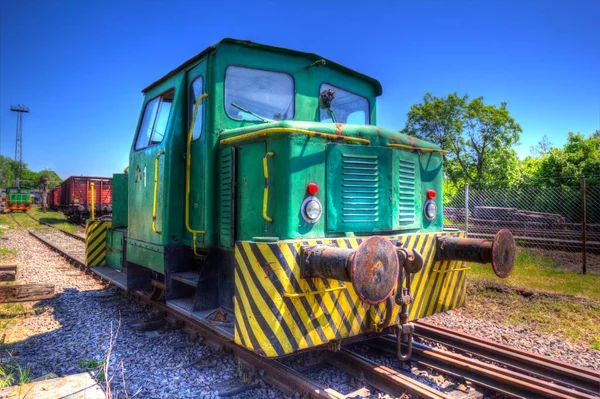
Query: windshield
347,107
256,94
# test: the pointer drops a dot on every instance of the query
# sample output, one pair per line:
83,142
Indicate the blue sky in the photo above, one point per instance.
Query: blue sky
80,65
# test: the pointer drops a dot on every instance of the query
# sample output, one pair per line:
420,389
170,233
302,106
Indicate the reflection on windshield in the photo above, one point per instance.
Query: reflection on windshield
255,94
347,107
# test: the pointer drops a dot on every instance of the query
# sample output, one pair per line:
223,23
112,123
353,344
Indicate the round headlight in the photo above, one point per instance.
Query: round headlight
430,210
311,209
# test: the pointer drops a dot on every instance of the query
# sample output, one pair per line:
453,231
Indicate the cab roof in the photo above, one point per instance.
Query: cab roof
310,56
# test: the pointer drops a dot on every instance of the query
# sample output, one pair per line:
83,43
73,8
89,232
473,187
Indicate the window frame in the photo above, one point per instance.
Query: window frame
257,69
346,90
150,144
191,112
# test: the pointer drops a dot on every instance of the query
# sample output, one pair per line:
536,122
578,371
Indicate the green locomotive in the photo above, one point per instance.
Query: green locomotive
264,202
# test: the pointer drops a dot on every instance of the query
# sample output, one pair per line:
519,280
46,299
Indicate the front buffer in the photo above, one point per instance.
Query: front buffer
286,302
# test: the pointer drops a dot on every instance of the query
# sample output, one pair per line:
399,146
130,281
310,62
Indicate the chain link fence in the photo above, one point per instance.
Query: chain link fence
561,223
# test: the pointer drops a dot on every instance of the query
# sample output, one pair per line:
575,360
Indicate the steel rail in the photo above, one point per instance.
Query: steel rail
73,235
276,373
524,361
491,376
381,377
69,257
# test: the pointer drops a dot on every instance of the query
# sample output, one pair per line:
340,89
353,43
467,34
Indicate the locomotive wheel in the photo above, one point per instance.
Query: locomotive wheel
158,291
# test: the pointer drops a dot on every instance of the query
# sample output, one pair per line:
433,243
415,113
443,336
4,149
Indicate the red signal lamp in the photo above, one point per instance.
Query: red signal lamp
312,188
431,194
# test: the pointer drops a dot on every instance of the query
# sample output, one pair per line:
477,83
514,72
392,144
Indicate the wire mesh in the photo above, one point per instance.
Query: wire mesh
547,221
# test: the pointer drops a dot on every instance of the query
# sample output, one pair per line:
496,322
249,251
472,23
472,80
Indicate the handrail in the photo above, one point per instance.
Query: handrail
93,211
275,130
155,200
266,190
408,147
188,173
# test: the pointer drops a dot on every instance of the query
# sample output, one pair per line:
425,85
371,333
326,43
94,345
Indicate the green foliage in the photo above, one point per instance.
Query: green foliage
580,156
479,138
93,364
29,179
11,372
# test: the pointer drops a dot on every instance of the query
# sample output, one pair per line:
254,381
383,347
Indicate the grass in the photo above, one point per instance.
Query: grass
56,219
12,372
7,222
539,296
9,311
7,255
534,271
93,364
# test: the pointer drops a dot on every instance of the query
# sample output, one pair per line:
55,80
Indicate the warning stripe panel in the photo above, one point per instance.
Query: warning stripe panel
277,312
95,242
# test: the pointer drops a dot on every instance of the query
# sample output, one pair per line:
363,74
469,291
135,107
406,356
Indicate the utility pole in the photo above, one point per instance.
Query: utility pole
20,110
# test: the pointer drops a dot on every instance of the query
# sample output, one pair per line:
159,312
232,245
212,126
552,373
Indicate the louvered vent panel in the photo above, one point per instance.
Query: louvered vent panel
406,198
226,213
360,189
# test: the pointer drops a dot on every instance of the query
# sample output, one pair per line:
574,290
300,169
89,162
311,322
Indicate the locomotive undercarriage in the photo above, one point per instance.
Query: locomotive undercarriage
277,298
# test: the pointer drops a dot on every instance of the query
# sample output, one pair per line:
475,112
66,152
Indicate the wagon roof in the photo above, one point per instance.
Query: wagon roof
310,56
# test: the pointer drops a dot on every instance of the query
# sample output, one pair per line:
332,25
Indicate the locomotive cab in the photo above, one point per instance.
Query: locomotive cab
262,200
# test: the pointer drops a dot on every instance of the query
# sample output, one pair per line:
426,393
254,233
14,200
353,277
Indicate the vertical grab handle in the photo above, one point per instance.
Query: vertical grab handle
188,166
266,190
155,200
93,210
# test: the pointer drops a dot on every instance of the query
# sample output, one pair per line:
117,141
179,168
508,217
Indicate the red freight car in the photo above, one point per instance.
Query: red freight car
54,197
75,196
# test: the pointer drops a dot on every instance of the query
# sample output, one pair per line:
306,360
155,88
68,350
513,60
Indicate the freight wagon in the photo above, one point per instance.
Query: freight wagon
74,197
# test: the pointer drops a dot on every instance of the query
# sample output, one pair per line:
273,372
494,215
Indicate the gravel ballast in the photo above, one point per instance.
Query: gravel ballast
521,337
75,327
62,334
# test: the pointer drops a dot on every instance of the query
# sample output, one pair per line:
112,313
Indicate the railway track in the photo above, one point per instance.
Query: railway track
497,367
69,245
68,233
492,366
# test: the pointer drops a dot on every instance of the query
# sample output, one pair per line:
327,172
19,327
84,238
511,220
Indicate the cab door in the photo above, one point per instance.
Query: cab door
147,221
196,162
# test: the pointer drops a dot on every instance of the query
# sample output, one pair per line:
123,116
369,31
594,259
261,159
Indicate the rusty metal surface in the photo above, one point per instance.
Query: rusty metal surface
325,261
381,377
492,376
517,359
504,251
500,252
374,269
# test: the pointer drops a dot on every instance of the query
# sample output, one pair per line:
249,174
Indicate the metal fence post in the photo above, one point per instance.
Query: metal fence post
583,224
466,209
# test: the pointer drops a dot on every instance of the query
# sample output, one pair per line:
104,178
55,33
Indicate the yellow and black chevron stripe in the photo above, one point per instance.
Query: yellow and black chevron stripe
277,312
95,242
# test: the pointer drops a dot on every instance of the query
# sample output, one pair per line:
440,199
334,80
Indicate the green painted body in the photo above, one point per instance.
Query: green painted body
115,239
119,204
226,195
18,197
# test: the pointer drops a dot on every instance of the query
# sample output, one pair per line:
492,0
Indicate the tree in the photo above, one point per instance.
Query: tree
542,147
580,156
29,179
478,137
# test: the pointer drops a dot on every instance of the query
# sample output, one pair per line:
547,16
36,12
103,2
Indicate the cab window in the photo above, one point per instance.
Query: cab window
196,90
154,122
347,107
258,95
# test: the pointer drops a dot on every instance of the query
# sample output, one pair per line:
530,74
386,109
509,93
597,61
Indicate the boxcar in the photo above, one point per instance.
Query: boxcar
265,200
74,196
